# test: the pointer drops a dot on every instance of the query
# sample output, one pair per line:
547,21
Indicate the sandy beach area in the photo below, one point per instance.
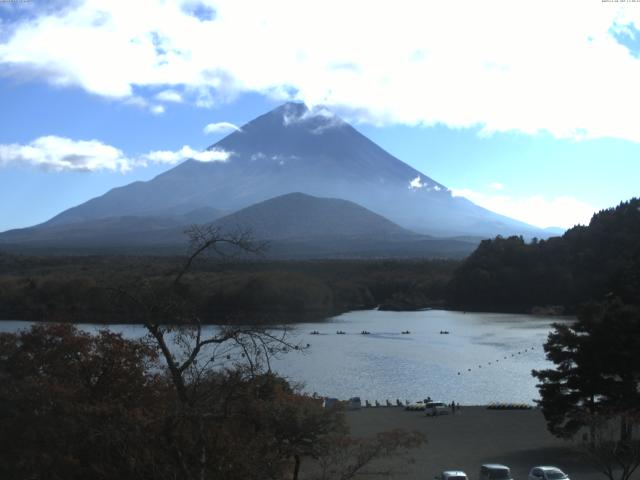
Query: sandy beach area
471,437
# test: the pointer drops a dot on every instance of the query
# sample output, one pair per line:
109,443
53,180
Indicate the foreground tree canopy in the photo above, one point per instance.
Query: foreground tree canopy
78,406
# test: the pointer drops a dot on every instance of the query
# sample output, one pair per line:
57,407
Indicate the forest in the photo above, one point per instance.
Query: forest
586,264
80,288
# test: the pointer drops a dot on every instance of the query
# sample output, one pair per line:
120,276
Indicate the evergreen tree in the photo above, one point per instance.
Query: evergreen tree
597,371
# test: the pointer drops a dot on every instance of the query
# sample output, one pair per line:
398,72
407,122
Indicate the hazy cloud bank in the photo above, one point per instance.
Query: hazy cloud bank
561,211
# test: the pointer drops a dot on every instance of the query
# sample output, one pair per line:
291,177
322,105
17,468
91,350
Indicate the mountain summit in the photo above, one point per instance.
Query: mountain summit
296,149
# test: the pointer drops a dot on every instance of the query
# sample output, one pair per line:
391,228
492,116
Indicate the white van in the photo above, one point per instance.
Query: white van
435,408
495,471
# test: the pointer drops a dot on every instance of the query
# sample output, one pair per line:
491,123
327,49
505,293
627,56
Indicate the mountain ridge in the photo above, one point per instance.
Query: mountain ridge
294,225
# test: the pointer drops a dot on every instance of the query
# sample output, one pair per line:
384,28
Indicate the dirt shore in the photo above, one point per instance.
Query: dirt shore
466,440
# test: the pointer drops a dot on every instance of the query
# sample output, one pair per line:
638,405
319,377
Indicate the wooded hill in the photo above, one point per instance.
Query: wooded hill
586,263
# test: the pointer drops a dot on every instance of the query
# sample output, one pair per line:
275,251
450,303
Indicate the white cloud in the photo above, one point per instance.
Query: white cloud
171,157
502,65
543,212
416,183
496,186
140,102
157,109
169,96
64,154
220,127
59,153
330,120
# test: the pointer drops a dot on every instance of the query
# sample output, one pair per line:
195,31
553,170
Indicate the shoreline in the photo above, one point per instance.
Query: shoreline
285,318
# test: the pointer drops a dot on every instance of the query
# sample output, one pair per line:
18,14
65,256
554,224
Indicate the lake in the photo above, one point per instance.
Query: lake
486,357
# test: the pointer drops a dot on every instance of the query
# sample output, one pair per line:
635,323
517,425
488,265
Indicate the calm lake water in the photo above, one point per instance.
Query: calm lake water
485,358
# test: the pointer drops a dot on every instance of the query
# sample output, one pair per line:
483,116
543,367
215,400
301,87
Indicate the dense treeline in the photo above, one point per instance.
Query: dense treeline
79,289
586,263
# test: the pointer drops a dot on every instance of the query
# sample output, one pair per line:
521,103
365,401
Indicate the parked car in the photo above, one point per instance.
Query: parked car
354,403
435,408
451,475
547,473
415,406
495,471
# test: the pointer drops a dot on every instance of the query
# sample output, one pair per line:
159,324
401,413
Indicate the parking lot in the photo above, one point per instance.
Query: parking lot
466,440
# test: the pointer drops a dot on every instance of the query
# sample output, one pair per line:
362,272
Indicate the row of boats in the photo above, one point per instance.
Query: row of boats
342,332
367,332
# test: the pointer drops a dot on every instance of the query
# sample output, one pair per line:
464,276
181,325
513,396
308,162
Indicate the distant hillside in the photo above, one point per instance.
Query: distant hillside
296,215
295,225
585,264
111,232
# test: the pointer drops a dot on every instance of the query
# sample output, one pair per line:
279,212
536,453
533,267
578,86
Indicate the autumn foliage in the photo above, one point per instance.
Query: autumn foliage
76,406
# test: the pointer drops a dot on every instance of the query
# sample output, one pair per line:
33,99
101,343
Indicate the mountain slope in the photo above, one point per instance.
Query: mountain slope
297,216
292,149
110,232
297,225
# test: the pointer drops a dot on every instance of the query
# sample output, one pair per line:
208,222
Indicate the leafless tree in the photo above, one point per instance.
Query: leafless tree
192,353
613,444
190,350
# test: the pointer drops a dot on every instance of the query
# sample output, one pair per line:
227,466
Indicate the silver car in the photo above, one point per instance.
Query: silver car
547,473
451,475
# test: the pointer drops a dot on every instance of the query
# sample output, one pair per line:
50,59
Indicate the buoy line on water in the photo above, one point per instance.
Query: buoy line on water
505,357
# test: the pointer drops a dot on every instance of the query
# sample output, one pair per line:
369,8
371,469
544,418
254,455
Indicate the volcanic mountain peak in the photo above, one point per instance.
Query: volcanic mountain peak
296,149
314,146
297,115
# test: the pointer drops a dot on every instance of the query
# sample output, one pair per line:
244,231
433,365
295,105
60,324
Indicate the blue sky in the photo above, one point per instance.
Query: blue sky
543,128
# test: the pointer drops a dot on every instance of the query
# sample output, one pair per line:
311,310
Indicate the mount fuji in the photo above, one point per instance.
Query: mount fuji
289,149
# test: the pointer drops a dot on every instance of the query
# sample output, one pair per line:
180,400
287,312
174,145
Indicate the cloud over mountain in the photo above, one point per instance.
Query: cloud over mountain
220,127
537,71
